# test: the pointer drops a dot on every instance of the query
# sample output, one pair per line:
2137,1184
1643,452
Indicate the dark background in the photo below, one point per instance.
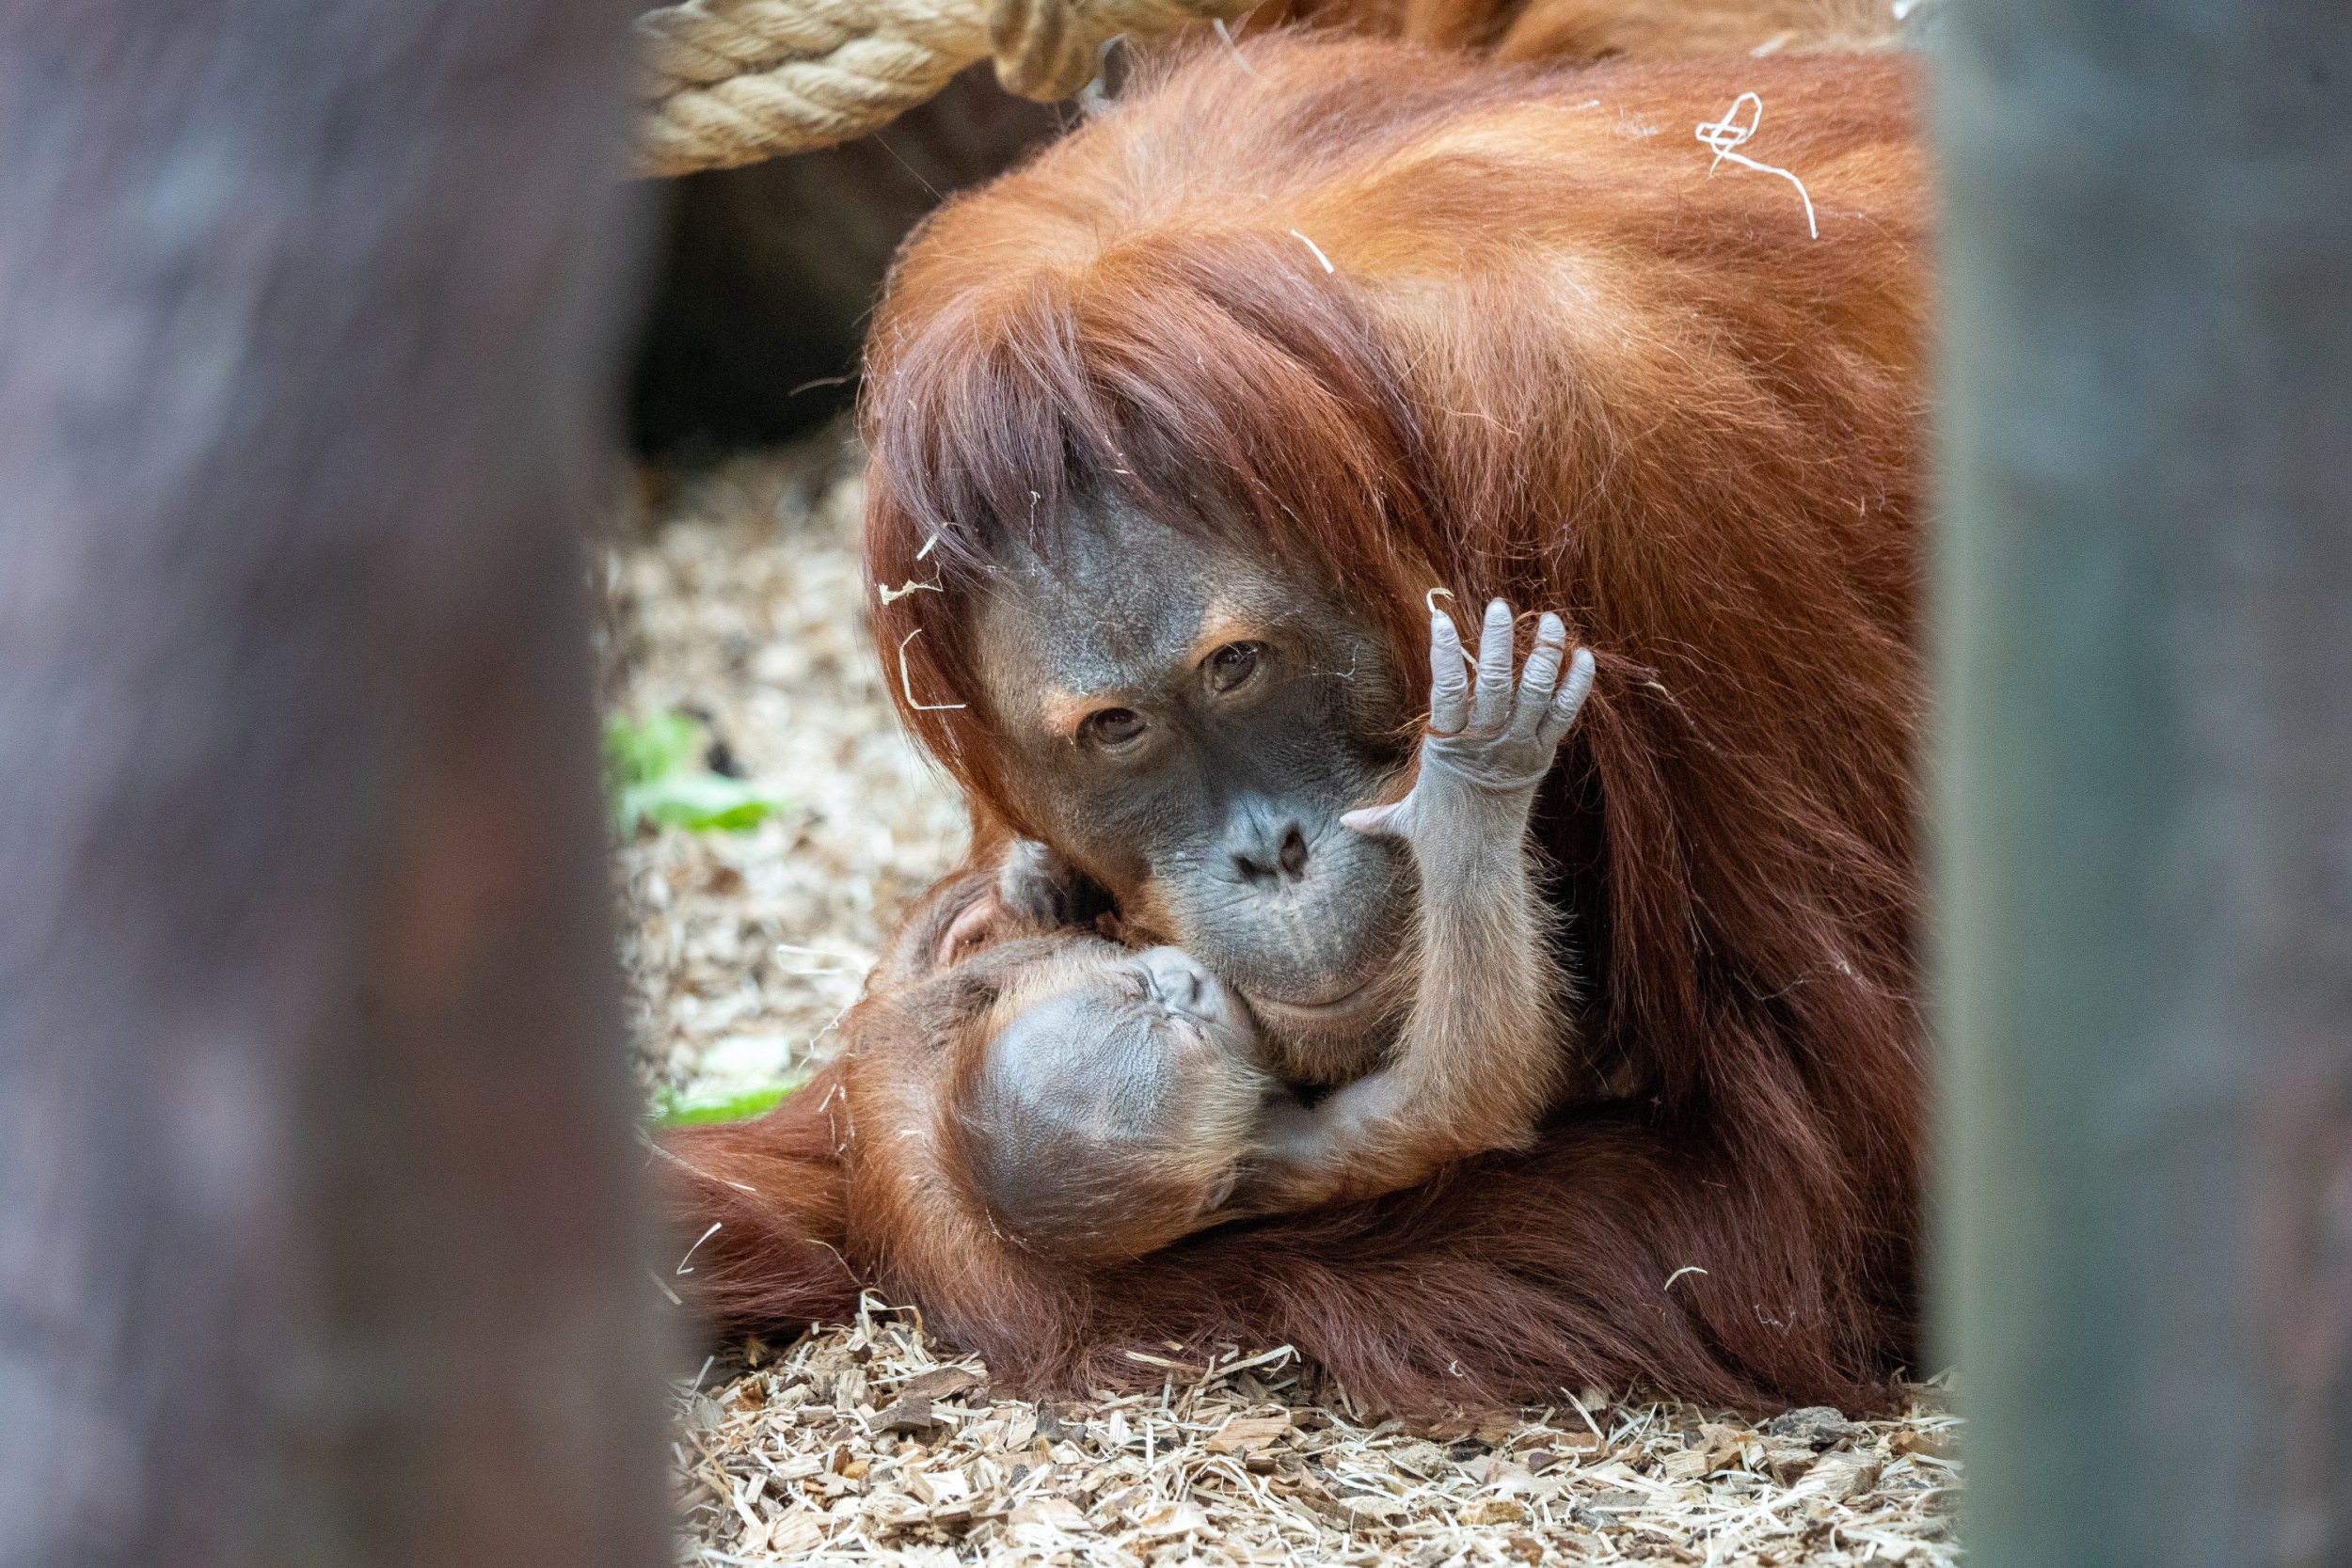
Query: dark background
765,275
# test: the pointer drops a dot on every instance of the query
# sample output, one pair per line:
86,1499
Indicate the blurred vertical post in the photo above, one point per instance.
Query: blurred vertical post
2144,780
317,1241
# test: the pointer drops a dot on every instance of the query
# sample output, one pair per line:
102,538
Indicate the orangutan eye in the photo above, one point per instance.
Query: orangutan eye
1112,727
1232,664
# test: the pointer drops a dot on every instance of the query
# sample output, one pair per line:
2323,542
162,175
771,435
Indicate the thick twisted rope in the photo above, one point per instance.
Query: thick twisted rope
731,82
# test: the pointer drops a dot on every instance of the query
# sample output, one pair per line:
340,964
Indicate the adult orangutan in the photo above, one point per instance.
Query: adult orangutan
1177,428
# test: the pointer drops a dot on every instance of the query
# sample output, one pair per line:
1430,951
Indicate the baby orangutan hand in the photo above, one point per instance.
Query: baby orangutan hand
1489,747
1482,1042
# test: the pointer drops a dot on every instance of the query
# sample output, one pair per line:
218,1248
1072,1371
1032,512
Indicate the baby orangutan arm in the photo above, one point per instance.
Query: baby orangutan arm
1480,1054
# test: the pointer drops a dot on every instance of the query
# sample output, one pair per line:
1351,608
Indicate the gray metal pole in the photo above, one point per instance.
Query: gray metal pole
2143,787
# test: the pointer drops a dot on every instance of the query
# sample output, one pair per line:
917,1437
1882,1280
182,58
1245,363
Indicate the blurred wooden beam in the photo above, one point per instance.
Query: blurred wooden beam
2145,778
317,1225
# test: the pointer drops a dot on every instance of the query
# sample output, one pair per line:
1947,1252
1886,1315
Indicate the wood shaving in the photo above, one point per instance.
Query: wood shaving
815,1452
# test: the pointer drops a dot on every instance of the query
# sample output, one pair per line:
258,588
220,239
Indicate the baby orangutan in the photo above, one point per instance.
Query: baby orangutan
1096,1103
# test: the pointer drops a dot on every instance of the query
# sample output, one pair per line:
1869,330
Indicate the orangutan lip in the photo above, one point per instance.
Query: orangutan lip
1337,1009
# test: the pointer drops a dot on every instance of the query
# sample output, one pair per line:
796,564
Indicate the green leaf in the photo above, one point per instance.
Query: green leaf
673,1109
638,752
701,803
651,776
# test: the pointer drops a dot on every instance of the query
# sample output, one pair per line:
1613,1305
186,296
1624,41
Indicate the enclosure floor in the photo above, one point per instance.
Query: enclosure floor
866,1443
741,604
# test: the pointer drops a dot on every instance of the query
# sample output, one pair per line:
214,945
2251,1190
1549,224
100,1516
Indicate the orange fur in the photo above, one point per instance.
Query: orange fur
1560,360
1577,32
1589,32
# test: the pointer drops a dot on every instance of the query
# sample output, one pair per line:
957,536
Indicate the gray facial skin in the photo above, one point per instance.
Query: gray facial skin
1132,1048
1187,722
1116,1102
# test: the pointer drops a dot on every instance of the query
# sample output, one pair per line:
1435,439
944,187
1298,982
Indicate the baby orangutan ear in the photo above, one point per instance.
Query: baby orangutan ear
971,929
1036,891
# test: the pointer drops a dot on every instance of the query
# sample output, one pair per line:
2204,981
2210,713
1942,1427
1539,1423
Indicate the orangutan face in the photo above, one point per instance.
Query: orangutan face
1187,722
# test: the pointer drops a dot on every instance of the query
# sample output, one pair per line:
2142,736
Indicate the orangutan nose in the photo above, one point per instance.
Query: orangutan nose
1177,982
1272,854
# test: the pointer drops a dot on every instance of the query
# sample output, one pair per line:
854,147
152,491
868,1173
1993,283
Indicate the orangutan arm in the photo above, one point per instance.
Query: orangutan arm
1480,1058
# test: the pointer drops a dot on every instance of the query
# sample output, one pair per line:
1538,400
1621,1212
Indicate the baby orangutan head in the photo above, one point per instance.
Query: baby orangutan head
1104,1098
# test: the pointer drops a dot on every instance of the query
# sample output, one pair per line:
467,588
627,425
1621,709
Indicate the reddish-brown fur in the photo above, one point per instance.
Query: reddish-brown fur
1557,360
1585,32
777,1194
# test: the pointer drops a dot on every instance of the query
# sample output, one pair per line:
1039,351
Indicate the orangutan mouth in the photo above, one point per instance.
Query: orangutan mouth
1345,1009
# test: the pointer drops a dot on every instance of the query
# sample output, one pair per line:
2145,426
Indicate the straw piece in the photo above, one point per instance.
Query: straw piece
1723,135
